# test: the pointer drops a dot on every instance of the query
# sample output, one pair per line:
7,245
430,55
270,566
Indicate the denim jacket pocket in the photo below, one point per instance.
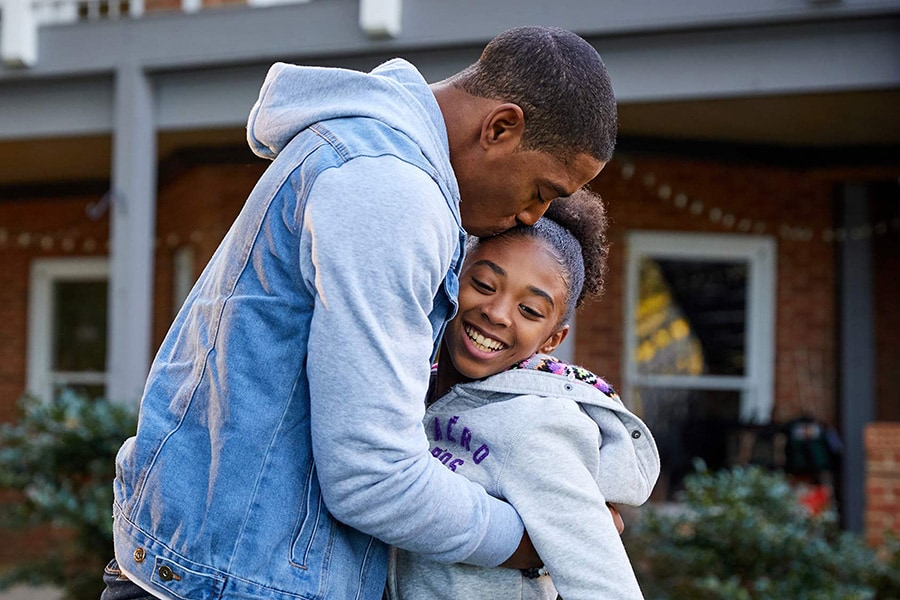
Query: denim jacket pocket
312,518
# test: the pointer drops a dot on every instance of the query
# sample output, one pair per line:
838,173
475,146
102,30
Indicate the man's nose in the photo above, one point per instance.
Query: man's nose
532,214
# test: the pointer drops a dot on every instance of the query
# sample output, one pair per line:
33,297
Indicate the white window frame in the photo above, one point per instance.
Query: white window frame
183,276
756,385
44,273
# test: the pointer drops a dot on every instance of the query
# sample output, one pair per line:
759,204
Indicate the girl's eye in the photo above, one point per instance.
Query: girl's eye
482,285
530,312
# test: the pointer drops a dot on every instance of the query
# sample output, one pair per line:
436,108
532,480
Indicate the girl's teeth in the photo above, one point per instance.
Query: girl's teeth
483,343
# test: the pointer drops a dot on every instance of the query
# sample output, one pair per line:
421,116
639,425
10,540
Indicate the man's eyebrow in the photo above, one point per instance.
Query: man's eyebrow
539,292
490,265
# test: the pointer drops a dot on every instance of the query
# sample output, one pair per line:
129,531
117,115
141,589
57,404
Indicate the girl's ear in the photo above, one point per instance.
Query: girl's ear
555,339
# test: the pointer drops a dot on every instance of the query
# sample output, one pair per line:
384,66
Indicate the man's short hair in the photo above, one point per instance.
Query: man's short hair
558,80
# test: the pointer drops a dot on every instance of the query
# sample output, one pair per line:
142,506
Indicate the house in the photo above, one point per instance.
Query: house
755,195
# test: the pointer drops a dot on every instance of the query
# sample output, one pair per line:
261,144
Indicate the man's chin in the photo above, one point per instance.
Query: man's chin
479,232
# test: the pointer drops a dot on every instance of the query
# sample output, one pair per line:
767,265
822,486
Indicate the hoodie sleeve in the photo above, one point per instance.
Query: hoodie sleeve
550,477
377,242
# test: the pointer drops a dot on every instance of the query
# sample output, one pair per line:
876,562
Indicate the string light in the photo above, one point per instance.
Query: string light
74,236
796,233
69,241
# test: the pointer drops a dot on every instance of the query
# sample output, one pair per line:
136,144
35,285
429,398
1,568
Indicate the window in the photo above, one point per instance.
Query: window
67,326
699,342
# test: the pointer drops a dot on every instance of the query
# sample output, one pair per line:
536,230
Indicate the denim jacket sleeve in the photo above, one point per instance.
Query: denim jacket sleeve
377,243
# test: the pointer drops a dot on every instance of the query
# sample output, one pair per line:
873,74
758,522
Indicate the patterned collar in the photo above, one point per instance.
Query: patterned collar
551,364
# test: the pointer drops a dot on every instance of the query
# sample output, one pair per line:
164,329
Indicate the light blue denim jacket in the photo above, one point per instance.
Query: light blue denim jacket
266,458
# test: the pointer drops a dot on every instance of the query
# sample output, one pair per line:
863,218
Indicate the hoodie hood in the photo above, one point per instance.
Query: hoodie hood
294,97
629,460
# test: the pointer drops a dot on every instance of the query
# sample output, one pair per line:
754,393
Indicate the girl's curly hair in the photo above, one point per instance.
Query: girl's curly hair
583,214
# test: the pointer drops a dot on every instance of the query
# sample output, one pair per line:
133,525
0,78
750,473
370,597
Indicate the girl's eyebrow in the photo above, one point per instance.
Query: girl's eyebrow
539,292
491,265
500,271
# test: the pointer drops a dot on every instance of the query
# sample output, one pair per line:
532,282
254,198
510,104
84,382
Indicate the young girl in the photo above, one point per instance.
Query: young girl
552,439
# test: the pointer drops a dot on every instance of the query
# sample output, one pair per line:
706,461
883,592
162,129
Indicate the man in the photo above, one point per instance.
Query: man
280,443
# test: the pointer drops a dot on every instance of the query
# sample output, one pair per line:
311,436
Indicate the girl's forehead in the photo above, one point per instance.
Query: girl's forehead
508,244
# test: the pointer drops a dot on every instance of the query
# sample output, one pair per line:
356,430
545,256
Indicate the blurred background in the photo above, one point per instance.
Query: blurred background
752,311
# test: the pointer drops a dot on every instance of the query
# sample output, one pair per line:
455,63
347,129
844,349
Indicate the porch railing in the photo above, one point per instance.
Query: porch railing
20,19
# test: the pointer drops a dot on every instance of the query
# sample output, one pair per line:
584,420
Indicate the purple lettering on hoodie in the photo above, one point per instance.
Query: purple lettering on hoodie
437,430
480,454
450,425
466,438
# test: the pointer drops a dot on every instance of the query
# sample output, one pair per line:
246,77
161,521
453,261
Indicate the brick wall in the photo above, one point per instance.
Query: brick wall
641,194
882,481
31,229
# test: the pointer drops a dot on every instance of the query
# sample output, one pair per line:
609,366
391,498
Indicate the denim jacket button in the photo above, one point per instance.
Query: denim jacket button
139,555
165,573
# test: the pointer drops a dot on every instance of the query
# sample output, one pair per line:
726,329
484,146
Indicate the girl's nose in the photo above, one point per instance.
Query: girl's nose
497,312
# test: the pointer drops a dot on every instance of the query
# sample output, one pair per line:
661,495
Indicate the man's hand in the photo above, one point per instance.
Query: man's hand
525,556
617,518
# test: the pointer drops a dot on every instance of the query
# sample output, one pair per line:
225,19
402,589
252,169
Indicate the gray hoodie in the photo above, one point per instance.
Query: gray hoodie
558,448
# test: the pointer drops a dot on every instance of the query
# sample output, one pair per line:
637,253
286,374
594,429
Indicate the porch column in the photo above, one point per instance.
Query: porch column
856,347
132,231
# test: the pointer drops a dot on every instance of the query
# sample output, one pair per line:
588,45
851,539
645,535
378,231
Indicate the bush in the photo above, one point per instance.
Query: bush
742,535
59,460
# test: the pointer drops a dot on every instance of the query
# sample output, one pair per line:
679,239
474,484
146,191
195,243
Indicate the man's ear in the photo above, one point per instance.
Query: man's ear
504,125
555,339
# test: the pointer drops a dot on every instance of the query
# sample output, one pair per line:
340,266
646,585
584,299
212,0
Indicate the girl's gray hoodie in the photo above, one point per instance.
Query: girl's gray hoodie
557,445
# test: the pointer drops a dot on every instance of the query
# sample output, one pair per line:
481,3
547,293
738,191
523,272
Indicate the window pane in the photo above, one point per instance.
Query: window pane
89,391
79,326
691,317
689,424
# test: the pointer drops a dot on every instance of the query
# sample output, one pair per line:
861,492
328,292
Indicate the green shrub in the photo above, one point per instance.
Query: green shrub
742,535
58,459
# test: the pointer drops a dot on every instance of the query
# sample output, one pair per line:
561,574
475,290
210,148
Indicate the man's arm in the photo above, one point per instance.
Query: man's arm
379,238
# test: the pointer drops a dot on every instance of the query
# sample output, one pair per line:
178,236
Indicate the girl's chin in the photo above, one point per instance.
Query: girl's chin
479,369
472,367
